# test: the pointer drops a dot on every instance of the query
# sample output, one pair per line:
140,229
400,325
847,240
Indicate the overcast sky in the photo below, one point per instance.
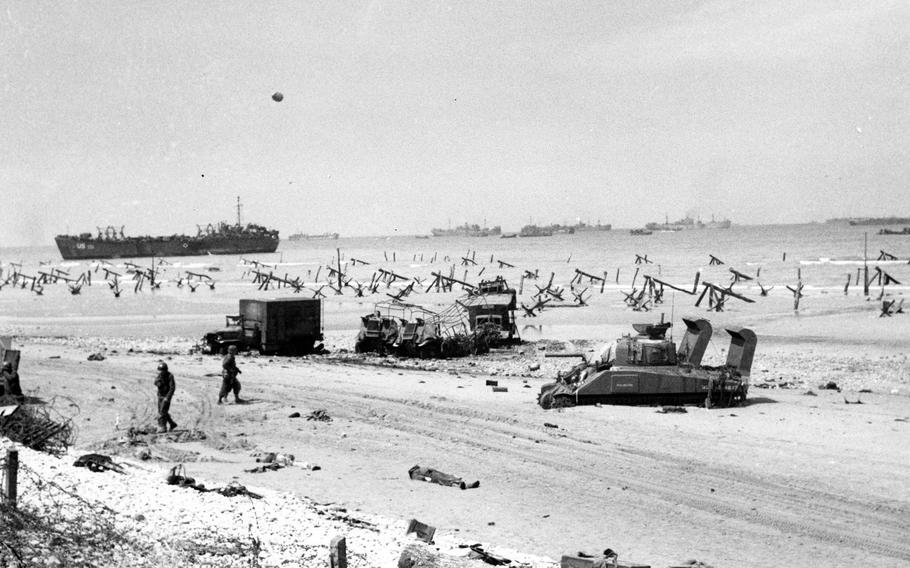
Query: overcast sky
403,116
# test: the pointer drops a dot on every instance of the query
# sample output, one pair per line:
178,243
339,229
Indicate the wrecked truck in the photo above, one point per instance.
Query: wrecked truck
647,368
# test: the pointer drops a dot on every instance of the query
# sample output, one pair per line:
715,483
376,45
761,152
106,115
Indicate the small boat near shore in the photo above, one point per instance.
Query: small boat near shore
535,231
640,232
904,231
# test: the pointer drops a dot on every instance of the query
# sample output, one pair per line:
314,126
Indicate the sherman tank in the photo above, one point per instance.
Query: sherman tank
647,368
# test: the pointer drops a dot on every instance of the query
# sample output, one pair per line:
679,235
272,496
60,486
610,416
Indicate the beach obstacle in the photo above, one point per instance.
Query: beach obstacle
444,283
882,255
532,311
714,261
797,294
580,297
642,259
202,278
764,291
390,277
891,307
504,264
581,275
403,293
637,300
739,276
717,296
882,278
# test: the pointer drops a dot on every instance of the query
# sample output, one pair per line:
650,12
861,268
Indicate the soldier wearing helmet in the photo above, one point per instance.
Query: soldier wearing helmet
229,372
165,384
9,381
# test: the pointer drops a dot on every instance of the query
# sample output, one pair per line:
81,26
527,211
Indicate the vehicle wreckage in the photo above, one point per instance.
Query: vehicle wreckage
473,325
648,369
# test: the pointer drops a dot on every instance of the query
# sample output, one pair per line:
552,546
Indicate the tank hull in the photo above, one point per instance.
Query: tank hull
80,248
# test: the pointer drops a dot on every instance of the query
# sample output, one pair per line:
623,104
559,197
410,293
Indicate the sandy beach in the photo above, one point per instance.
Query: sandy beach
797,475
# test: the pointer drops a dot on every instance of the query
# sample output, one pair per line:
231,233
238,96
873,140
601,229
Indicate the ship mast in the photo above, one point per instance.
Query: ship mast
239,224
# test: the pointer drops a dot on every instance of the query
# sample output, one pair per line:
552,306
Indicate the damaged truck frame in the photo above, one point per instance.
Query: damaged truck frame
647,369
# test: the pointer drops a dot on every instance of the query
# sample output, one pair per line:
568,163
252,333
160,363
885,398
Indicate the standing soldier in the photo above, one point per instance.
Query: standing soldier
166,386
229,372
9,382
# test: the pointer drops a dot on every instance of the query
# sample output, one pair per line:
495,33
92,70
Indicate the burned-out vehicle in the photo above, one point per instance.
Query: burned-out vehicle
288,326
647,368
491,312
419,338
378,333
409,330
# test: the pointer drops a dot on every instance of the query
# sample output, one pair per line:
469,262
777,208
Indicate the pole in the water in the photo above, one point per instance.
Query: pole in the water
866,264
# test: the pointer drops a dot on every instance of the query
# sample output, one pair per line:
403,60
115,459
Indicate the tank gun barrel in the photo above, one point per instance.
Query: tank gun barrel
565,355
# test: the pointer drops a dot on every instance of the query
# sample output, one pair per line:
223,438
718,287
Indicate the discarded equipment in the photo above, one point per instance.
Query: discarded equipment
279,325
648,369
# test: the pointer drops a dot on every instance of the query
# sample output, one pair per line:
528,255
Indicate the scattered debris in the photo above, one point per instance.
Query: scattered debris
477,551
431,475
867,391
500,389
294,415
319,415
96,357
672,409
857,401
422,531
98,463
234,489
693,564
810,392
608,559
32,426
550,425
176,476
492,383
830,385
273,457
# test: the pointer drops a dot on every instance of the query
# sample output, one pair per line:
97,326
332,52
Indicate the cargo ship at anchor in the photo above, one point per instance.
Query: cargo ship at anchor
222,238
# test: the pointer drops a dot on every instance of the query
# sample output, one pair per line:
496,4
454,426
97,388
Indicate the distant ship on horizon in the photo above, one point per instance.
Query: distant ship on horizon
468,230
298,236
862,221
222,238
687,223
